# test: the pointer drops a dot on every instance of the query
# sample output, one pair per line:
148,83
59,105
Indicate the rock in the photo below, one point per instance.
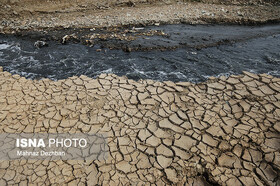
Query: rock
40,44
67,38
130,3
126,49
90,42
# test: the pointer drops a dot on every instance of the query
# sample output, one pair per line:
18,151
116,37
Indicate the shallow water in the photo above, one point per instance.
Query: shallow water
226,50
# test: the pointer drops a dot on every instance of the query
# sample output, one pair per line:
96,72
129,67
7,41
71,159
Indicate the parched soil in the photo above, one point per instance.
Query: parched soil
221,132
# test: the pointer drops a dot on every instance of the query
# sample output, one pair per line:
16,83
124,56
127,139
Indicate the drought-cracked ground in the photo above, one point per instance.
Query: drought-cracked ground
224,131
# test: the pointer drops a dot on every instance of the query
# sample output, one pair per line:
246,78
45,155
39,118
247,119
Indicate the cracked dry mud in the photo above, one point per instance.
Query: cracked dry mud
224,131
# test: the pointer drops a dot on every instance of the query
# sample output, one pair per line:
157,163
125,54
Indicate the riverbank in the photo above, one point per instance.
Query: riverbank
16,17
223,131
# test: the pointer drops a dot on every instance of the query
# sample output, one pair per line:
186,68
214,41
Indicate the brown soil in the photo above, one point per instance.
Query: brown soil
28,14
222,132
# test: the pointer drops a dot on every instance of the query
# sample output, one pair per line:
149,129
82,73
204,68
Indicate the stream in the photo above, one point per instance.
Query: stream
201,51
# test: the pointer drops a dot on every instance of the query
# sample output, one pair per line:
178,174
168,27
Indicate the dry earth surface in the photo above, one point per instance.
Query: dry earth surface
224,131
221,132
29,14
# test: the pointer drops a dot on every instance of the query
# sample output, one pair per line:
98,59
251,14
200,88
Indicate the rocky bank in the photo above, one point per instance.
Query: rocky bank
221,132
16,16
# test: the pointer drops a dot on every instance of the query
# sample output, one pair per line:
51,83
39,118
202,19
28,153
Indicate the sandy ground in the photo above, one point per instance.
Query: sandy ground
54,14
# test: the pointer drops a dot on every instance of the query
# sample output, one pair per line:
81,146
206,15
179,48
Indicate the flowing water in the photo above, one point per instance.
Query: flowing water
202,51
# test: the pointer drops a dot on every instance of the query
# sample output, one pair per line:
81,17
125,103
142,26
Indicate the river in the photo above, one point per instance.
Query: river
201,51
